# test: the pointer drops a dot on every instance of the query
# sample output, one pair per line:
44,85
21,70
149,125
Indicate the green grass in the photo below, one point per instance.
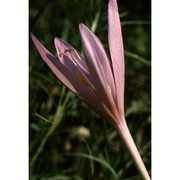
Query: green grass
68,141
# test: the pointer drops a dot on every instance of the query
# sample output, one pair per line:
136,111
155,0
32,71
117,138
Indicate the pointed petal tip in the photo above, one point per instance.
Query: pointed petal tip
56,40
84,30
82,27
35,40
32,36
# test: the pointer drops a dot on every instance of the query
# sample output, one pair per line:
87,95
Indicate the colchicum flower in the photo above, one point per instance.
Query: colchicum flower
95,78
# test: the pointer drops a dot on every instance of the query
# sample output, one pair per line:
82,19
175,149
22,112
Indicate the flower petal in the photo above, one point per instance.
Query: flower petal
99,66
55,65
116,51
66,72
63,48
69,79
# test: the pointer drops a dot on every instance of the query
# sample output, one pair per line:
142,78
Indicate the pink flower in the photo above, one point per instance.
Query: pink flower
96,78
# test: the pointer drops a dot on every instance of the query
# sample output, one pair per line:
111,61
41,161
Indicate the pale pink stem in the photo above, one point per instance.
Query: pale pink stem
128,140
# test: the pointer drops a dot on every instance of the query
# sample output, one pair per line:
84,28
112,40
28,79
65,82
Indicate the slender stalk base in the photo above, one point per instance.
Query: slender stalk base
128,140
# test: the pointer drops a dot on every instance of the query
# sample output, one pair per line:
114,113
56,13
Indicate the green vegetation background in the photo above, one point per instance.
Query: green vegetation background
68,141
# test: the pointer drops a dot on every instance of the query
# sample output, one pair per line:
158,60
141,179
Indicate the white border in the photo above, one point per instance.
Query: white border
14,90
165,89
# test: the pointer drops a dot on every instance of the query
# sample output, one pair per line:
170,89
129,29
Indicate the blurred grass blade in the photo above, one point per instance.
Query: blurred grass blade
136,22
137,57
95,22
55,123
91,160
62,177
42,118
102,162
57,119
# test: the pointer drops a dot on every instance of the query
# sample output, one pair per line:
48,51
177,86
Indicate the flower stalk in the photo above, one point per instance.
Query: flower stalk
125,134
